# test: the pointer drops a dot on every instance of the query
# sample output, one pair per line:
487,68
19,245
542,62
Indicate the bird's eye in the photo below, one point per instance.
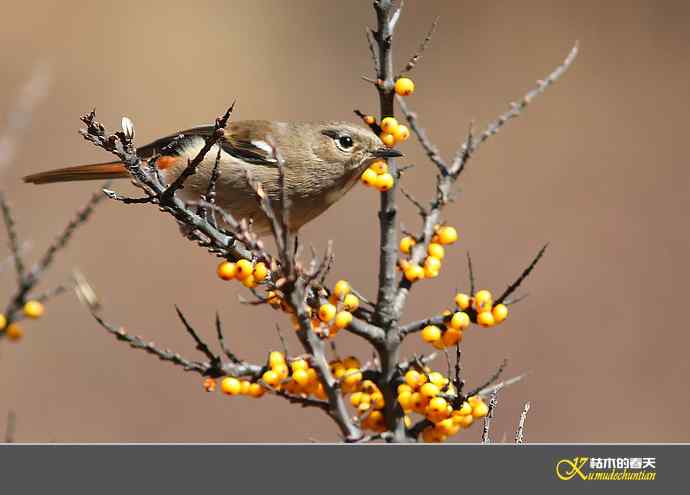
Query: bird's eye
344,142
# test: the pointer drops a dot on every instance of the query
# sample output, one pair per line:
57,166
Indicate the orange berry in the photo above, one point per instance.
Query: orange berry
432,266
414,272
389,124
352,376
271,378
404,86
244,269
500,312
249,281
327,312
369,177
403,387
209,384
406,244
3,321
244,387
369,119
480,410
413,378
486,319
14,331
431,333
351,362
256,390
384,182
341,288
299,364
301,377
230,385
33,309
227,270
437,405
447,234
465,409
451,337
405,400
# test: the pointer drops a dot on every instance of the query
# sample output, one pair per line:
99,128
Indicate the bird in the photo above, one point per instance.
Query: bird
321,161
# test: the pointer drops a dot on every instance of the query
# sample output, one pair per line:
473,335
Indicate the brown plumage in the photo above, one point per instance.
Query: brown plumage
322,162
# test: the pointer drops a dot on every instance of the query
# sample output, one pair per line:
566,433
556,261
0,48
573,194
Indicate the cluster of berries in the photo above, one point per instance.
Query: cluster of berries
366,397
377,176
250,274
32,309
430,394
481,308
444,235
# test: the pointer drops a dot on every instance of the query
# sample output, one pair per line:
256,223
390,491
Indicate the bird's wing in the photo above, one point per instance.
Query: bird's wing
245,140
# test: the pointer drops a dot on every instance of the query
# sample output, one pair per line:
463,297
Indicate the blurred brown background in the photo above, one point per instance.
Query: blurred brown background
597,166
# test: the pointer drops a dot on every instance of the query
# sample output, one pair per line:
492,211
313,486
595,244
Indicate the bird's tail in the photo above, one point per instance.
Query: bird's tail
95,171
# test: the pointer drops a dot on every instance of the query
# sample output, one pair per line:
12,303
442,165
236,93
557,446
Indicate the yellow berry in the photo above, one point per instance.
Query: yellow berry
276,359
462,300
227,270
447,427
406,244
388,139
408,421
465,409
379,166
377,400
401,133
299,364
327,312
351,362
403,387
437,404
320,392
369,177
413,378
429,390
244,387
431,333
33,309
404,86
384,182
438,379
451,337
14,331
301,377
389,124
460,320
249,281
351,303
271,378
419,402
256,390
230,385
338,370
369,119
352,376
343,320
273,299
3,321
244,268
414,273
483,300
466,420
447,234
436,250
480,410
432,266
260,271
405,400
500,312
356,399
341,289
486,319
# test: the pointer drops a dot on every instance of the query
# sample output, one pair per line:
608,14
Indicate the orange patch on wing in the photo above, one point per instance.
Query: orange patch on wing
165,162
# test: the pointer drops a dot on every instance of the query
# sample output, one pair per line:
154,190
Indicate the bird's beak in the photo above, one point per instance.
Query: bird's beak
386,153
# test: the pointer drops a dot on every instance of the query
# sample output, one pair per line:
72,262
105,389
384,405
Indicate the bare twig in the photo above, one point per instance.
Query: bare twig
520,433
490,416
